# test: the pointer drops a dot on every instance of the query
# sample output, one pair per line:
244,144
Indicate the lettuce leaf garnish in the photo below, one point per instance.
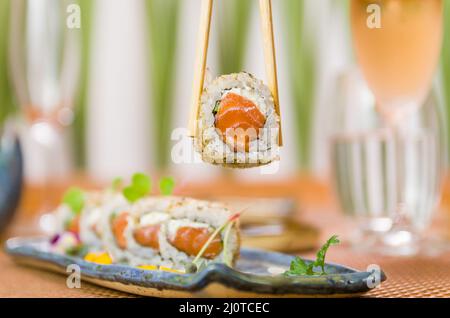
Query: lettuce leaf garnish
140,186
74,198
166,185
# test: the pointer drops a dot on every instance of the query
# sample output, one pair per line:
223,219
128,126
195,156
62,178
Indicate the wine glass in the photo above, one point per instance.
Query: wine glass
44,64
398,56
363,164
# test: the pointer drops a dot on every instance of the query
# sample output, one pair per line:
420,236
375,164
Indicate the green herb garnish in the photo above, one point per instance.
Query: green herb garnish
166,185
74,198
227,256
299,267
140,186
79,250
320,257
216,107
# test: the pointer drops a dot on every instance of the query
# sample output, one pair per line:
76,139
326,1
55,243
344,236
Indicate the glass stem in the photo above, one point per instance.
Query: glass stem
399,144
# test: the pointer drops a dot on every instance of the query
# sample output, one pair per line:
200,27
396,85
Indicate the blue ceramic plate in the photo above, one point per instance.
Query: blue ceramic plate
254,275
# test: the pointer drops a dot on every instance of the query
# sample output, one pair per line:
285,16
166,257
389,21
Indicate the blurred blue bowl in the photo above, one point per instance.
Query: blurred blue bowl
11,175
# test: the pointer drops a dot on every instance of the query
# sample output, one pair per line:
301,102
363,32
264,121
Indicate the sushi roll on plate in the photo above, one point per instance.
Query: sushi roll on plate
238,125
171,232
112,226
84,223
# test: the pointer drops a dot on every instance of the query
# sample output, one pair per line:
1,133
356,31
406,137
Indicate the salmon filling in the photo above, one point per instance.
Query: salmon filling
148,236
119,224
236,111
190,240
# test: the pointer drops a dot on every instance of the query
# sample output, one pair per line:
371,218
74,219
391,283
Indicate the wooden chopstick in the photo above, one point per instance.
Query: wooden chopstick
200,63
265,9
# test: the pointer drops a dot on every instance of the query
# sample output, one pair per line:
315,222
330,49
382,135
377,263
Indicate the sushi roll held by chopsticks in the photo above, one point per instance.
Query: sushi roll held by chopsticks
235,119
237,125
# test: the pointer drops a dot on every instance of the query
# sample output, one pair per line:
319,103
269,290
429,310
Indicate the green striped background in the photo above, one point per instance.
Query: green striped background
6,96
163,16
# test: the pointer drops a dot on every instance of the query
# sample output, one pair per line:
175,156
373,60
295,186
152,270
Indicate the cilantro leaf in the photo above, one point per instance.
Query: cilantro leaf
320,257
74,198
166,185
140,186
299,267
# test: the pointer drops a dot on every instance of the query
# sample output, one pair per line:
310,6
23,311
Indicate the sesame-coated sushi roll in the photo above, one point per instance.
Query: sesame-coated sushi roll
84,218
188,231
143,231
238,125
171,232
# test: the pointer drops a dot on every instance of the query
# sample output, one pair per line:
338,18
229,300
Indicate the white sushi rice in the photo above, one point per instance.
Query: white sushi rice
90,229
62,215
209,143
88,225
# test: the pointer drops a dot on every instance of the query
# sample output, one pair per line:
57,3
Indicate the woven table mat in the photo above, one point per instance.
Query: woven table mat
419,276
